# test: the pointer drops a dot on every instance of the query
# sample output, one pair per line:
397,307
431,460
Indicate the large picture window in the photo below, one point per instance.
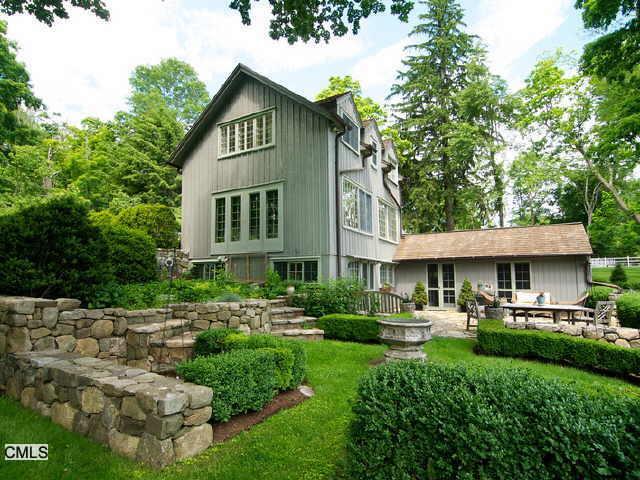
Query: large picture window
246,134
356,207
298,270
387,221
512,275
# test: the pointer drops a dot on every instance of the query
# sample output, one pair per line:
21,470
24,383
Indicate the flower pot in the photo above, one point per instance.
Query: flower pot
494,313
408,307
406,338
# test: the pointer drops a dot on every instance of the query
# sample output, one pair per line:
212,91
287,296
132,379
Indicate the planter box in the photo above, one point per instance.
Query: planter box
408,307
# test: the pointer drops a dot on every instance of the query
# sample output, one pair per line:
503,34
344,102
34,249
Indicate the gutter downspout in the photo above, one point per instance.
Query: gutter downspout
336,173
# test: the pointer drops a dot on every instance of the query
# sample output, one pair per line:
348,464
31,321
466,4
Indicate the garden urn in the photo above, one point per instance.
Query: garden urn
405,337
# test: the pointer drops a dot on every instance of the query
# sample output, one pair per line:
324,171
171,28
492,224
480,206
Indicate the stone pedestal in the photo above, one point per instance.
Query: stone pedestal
405,337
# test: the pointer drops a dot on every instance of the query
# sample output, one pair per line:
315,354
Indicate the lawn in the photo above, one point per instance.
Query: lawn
602,274
305,442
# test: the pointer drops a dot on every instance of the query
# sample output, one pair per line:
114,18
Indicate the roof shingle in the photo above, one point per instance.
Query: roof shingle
535,241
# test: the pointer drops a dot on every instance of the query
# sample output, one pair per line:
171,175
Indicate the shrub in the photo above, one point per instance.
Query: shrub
628,307
618,276
228,297
299,367
419,296
158,221
241,380
51,249
466,294
598,294
351,328
495,339
426,421
273,285
335,296
131,253
211,342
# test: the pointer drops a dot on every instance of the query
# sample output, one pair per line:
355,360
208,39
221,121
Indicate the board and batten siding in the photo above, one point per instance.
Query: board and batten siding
298,160
564,277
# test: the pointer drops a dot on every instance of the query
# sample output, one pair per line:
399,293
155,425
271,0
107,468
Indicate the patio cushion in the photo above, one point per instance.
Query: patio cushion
530,297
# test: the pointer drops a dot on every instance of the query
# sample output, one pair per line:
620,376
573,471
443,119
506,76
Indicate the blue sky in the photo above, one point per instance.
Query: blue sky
80,67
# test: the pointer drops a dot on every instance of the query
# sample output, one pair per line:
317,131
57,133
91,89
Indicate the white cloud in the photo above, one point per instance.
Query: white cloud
380,69
511,28
81,66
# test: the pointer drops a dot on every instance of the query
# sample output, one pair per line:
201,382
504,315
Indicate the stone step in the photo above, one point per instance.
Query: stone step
300,334
278,302
279,313
159,331
288,323
186,340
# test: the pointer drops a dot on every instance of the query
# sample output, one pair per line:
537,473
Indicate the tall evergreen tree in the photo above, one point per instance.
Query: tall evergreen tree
445,113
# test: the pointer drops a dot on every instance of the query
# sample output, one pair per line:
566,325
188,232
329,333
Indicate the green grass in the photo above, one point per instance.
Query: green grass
602,274
305,442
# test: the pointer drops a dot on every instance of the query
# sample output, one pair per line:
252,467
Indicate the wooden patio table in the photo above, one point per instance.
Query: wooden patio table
555,309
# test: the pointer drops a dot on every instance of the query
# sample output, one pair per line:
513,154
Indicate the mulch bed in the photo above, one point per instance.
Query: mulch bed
224,431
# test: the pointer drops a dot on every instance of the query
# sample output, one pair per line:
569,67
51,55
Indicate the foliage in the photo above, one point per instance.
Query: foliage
212,342
419,296
449,108
495,339
598,294
241,380
367,107
618,276
320,19
15,95
273,285
466,293
612,232
533,178
350,328
177,83
159,294
47,11
228,297
131,254
424,420
51,249
158,221
299,365
334,296
628,308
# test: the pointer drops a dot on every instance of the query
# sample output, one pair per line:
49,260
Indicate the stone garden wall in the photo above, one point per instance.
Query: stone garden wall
140,415
621,336
123,336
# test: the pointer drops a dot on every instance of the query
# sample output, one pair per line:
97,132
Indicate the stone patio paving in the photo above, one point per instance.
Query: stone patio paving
447,323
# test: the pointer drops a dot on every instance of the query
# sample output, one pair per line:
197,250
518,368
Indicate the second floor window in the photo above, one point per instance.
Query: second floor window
387,221
352,133
246,134
356,207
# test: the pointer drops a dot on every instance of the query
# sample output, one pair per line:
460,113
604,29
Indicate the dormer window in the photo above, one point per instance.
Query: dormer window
246,134
352,133
375,156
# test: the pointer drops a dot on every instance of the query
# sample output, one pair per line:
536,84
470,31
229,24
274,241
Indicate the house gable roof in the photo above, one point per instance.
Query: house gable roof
536,241
331,104
203,123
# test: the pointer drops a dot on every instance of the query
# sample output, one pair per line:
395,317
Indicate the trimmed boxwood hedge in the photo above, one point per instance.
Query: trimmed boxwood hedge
426,421
495,339
218,340
628,306
598,293
351,328
242,380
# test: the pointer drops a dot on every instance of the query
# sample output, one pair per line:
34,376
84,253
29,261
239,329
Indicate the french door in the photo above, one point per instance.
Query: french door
441,284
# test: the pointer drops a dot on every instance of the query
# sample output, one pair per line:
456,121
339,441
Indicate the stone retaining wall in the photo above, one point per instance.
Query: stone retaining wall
620,336
37,324
140,415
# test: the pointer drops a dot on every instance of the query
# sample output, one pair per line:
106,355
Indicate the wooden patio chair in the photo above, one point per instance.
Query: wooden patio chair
473,312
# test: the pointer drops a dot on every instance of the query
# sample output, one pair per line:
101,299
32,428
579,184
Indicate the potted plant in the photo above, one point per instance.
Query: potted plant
386,288
494,310
407,305
419,296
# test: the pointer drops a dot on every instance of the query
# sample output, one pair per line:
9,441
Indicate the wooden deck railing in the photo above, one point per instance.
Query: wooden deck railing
380,302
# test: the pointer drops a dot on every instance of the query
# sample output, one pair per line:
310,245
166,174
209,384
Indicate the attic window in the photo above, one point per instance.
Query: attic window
376,153
246,134
352,133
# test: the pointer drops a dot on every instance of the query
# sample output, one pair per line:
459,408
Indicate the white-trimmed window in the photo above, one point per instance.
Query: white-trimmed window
356,207
246,134
387,274
351,134
297,270
375,156
387,221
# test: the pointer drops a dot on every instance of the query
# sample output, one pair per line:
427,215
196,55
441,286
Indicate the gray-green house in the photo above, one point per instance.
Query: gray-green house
273,180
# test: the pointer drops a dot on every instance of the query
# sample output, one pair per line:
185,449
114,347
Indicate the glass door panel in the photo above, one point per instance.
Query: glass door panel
433,284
